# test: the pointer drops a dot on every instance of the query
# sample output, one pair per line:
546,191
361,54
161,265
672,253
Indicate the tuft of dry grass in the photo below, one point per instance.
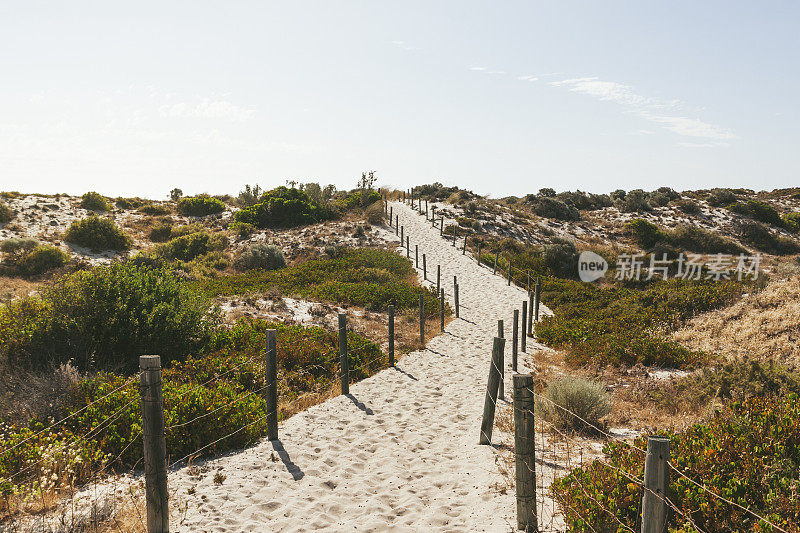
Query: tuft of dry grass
764,325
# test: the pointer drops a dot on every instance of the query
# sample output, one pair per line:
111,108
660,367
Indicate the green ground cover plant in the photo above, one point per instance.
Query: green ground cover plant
200,206
627,325
370,278
97,234
748,453
284,207
94,201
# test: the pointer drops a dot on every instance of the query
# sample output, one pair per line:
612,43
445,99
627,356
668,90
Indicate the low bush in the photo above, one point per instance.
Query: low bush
547,207
97,234
242,230
634,201
583,201
284,207
560,258
105,318
759,237
366,277
721,197
663,196
16,247
688,206
748,454
359,199
696,239
6,213
191,246
40,259
645,234
622,325
160,232
374,214
260,256
200,206
155,209
568,396
94,201
128,203
757,210
791,221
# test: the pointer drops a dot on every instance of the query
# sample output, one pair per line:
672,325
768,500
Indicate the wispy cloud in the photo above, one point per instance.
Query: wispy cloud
404,45
487,70
527,78
658,110
213,109
704,145
478,69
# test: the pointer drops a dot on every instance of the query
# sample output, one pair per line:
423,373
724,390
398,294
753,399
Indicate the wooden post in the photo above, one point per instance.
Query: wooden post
487,423
525,453
441,225
397,224
529,327
391,335
515,340
426,209
537,295
155,447
343,362
422,320
408,247
496,259
416,255
433,215
272,383
656,481
391,212
464,250
524,338
424,268
441,309
438,277
455,297
402,238
501,366
404,196
509,271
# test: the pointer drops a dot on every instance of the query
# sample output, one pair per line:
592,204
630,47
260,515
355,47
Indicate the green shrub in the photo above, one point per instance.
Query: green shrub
243,230
757,210
94,201
188,247
200,206
547,207
128,203
155,209
634,201
699,240
662,196
366,277
759,237
561,258
688,206
16,247
283,207
161,232
374,214
567,396
359,199
583,201
41,259
105,318
6,213
249,196
748,454
791,221
644,233
620,325
260,256
721,197
97,234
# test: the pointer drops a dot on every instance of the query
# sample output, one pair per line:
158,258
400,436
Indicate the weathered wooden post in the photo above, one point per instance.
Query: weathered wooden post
537,296
501,367
441,225
487,422
525,453
416,255
397,225
524,338
438,277
402,237
441,309
391,213
515,340
426,209
656,481
391,335
424,268
455,297
344,365
496,259
529,326
464,250
404,196
272,383
509,271
155,446
433,216
422,320
408,247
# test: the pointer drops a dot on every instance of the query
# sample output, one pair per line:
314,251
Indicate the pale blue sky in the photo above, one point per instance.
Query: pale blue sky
134,98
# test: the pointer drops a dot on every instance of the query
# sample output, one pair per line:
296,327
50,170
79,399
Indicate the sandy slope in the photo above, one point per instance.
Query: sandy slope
400,454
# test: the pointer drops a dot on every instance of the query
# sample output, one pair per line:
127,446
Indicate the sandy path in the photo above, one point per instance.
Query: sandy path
399,454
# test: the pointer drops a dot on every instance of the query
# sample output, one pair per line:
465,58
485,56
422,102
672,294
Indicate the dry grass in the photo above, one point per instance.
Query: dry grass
13,287
763,325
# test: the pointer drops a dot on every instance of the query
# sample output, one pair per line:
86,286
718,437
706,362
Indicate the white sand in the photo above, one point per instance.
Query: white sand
401,454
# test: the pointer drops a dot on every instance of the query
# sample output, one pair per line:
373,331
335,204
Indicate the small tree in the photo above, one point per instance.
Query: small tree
175,194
